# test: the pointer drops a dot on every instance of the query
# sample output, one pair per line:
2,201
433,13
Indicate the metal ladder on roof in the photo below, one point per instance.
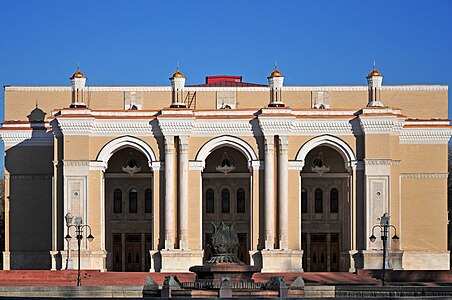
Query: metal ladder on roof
190,100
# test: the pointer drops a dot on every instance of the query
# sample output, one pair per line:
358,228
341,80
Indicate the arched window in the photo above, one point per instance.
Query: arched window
241,201
334,201
304,200
210,201
148,201
225,203
133,201
318,201
117,201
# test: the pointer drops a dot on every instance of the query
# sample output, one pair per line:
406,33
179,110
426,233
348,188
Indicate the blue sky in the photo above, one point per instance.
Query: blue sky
140,42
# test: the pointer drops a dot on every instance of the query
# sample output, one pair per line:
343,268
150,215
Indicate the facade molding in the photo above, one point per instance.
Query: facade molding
226,140
295,165
28,137
381,162
126,141
351,88
424,175
425,135
381,125
330,141
176,126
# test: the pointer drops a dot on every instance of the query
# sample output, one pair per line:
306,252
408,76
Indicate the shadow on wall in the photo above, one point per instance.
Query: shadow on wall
30,169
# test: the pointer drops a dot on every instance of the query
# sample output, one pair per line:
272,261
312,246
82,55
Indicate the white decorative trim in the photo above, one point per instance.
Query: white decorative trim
434,122
129,126
324,126
424,175
79,126
126,141
381,162
296,165
425,135
156,166
176,126
223,126
98,166
196,165
76,163
381,125
257,165
28,137
433,87
276,124
346,113
330,141
226,140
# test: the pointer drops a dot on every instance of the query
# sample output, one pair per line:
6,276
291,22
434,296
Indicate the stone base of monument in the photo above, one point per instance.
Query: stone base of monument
216,271
225,288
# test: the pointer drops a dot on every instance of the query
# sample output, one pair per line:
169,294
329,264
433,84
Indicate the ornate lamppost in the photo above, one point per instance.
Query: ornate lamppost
384,232
79,228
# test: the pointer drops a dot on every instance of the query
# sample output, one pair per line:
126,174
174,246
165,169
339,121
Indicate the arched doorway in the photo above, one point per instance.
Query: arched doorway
226,196
325,210
128,211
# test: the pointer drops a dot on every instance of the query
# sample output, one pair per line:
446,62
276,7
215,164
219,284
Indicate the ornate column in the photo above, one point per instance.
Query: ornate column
169,192
269,209
283,200
183,192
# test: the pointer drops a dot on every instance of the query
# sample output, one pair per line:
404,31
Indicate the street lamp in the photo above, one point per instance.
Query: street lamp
79,227
68,219
384,232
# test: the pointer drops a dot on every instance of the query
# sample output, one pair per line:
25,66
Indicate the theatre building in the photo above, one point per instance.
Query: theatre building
304,172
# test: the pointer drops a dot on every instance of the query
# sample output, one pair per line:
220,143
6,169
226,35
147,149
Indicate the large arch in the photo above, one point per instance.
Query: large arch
226,140
126,231
126,141
207,156
330,141
334,234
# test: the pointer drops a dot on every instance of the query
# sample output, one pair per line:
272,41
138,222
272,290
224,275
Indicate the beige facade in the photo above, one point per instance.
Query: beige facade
304,172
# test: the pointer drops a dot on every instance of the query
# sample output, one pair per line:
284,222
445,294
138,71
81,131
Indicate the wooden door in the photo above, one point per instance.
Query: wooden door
318,258
133,252
117,252
334,249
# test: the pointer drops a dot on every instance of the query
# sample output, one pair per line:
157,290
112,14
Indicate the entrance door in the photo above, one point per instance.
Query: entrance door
318,253
133,252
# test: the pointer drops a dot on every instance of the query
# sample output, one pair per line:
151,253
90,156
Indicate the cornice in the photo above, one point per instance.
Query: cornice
176,126
381,124
325,126
351,88
425,135
27,137
218,127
